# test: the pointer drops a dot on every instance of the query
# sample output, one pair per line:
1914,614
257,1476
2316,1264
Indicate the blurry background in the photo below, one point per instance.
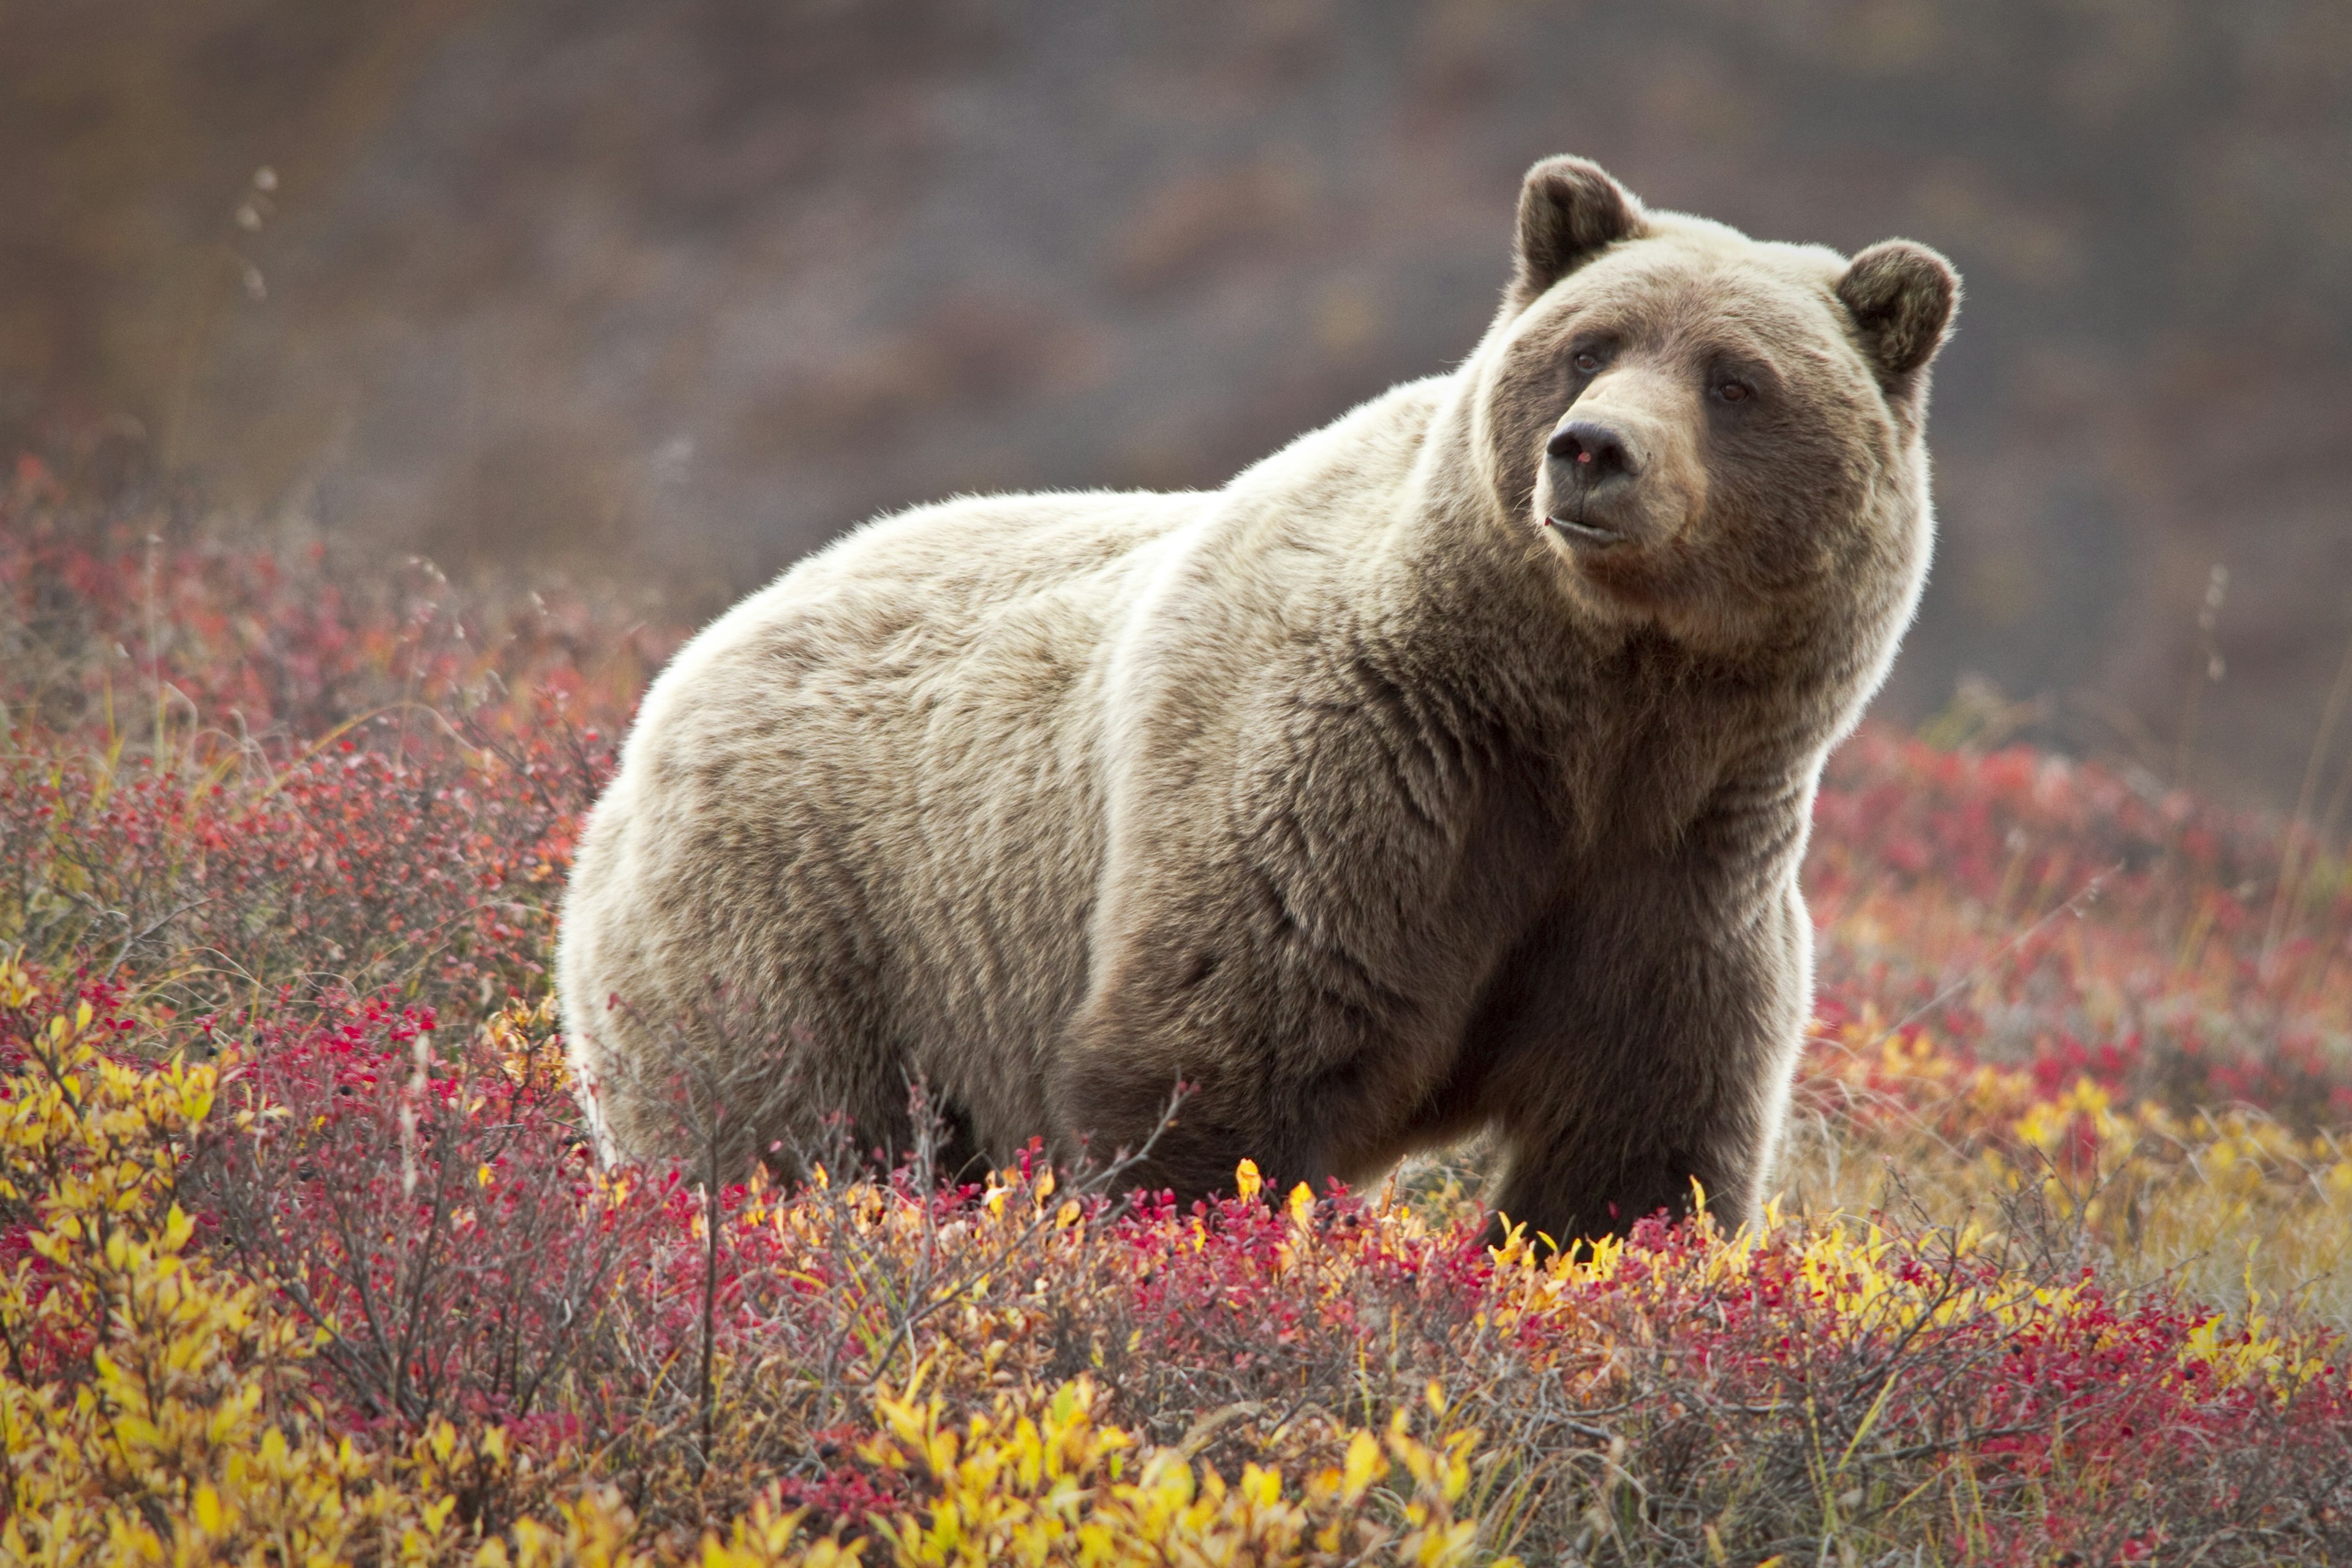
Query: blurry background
676,292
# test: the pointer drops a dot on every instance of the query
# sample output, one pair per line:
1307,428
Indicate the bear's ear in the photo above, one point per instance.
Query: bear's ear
1569,210
1902,296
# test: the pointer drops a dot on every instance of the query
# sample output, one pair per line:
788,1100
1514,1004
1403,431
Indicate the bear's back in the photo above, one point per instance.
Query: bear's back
869,798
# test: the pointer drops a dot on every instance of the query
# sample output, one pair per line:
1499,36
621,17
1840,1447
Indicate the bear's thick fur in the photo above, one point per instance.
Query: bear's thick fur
1450,768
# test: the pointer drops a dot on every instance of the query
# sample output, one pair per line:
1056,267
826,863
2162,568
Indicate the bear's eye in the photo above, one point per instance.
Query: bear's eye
1734,391
1587,361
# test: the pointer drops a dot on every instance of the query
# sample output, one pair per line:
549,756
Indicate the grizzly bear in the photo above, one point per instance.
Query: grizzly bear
1449,769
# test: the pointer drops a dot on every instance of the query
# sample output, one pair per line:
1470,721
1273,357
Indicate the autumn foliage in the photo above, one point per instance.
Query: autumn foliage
303,1257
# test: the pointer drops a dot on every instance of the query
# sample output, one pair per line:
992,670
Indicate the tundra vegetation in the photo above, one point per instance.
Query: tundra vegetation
303,1257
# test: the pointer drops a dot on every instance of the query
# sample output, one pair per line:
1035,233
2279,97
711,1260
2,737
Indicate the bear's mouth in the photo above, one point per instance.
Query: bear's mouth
1591,533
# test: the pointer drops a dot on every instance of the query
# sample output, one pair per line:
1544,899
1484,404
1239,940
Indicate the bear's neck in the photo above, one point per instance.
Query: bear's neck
1644,731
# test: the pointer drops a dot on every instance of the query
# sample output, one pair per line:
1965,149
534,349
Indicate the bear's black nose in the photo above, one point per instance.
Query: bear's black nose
1592,451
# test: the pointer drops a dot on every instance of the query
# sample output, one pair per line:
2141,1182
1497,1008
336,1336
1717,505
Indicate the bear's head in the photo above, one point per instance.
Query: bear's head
1713,434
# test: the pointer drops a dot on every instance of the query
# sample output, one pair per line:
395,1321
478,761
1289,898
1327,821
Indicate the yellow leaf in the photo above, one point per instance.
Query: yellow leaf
1302,1207
1246,1181
1365,1465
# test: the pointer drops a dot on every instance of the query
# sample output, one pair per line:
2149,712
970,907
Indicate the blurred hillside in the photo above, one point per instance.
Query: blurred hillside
682,291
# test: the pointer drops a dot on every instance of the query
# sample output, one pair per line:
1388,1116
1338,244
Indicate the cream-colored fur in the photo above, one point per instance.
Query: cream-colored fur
1353,794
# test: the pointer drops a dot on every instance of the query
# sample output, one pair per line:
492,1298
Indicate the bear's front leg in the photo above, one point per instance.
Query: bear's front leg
1300,1047
1299,906
1654,1054
1194,1058
1186,1129
1600,1179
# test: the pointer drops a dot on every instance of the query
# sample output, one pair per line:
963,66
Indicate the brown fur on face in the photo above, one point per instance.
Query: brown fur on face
1417,781
1739,508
